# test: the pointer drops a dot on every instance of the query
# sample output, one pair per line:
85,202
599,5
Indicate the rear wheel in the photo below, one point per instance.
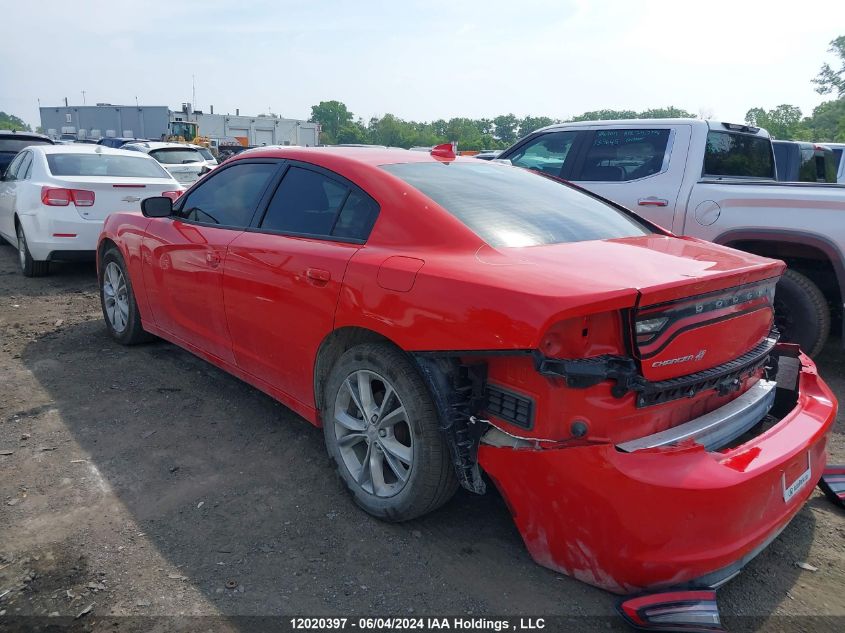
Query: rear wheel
29,267
120,310
801,312
381,430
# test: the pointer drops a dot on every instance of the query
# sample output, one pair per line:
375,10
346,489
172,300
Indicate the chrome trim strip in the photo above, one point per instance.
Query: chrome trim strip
717,428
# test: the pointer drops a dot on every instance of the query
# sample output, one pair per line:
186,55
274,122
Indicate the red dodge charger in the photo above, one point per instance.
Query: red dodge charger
449,321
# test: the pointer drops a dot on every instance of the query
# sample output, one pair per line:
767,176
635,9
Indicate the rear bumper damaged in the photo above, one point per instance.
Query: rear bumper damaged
668,515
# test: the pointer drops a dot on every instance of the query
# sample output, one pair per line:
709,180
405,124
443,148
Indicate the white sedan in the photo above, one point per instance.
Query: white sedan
184,162
54,198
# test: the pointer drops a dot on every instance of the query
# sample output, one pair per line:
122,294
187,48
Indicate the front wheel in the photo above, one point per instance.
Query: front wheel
381,430
29,267
801,312
120,310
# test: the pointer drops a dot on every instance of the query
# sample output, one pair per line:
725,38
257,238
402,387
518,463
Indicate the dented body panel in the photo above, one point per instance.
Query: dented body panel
665,516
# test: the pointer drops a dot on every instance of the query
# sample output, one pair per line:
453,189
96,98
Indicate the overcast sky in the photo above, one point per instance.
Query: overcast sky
419,60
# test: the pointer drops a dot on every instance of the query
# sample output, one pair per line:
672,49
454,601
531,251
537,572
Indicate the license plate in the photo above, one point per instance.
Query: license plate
792,489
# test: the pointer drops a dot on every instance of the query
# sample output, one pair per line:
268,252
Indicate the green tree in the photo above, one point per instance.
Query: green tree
827,122
829,80
355,132
783,122
532,123
605,115
332,116
670,112
11,122
505,127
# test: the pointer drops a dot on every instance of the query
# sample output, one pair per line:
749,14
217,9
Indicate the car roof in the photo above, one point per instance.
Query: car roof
335,154
32,135
82,148
151,145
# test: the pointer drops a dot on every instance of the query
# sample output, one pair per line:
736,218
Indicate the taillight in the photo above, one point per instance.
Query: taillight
173,195
584,337
60,197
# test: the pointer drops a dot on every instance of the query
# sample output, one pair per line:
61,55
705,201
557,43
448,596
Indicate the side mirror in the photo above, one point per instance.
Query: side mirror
157,207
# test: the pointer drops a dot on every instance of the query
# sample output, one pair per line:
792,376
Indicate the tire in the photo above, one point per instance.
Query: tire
29,267
117,299
401,438
801,312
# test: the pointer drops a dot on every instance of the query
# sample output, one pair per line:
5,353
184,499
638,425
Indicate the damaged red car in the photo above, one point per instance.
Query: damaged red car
451,322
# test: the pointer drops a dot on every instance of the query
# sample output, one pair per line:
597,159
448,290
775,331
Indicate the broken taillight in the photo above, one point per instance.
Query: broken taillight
693,611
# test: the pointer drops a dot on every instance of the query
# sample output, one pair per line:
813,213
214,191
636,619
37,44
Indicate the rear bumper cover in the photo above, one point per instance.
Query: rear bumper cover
665,516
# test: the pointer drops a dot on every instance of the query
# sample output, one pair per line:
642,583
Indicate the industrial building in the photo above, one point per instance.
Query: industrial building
155,123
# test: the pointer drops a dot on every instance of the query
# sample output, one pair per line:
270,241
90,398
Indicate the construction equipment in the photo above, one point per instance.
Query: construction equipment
186,132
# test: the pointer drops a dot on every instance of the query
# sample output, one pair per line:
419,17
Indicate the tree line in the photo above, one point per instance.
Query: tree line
339,125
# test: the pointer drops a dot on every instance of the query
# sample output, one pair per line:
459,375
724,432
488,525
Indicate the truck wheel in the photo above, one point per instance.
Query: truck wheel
381,430
801,312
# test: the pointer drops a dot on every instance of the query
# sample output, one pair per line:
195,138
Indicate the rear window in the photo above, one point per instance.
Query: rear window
14,145
738,155
207,155
508,206
104,165
177,156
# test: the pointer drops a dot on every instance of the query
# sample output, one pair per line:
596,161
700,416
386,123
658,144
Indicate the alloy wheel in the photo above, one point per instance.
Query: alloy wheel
116,297
373,433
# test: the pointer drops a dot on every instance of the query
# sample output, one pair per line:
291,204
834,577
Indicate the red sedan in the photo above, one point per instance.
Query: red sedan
443,317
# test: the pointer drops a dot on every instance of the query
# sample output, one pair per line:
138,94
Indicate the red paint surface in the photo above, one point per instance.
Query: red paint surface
259,306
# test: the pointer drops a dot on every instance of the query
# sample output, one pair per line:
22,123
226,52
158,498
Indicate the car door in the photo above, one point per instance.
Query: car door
9,194
282,278
636,167
184,254
551,153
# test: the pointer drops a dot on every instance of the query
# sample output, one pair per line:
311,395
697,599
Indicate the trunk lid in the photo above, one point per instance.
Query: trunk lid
698,305
113,194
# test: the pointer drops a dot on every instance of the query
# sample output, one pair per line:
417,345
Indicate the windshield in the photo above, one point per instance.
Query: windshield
508,206
104,165
14,145
177,155
739,156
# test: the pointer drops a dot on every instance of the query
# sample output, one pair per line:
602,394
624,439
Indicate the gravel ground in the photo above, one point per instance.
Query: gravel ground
145,482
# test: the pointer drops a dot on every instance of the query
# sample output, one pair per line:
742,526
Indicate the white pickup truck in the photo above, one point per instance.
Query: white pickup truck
714,181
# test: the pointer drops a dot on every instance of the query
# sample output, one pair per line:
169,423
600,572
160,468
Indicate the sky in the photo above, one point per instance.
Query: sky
419,60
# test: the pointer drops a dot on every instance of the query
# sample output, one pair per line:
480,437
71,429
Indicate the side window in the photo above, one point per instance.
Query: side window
306,202
546,153
228,197
619,155
25,167
12,169
357,217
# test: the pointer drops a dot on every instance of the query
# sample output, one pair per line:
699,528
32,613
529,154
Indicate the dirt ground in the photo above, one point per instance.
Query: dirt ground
145,482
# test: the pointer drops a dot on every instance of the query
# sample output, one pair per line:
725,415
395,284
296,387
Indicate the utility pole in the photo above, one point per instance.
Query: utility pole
193,94
83,97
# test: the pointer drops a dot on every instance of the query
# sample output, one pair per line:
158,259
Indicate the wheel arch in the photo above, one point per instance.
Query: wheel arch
332,348
811,254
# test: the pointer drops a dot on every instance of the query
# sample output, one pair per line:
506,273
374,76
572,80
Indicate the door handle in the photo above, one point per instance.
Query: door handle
212,259
318,276
653,201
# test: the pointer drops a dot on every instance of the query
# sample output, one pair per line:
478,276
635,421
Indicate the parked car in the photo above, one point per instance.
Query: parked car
715,181
488,154
66,138
797,161
184,162
13,142
120,141
837,149
87,141
440,316
210,160
54,198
